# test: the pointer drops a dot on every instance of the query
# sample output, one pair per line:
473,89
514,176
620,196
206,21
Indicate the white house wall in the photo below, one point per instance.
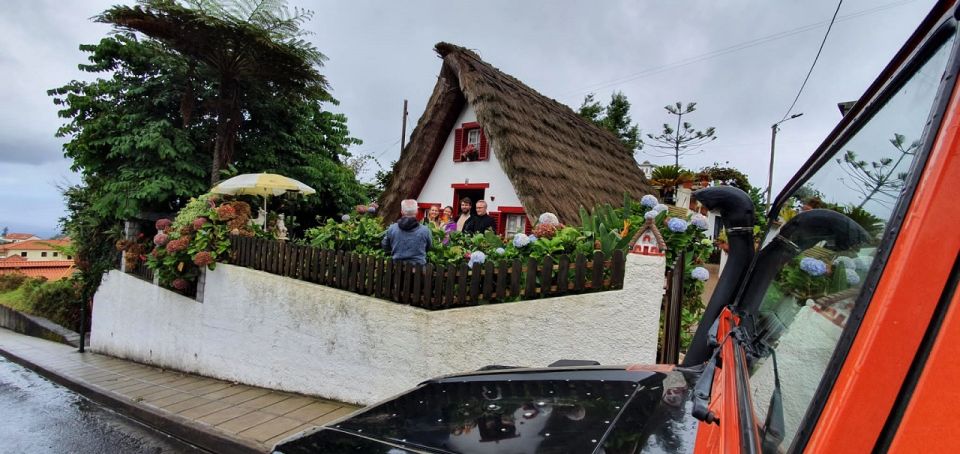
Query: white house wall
281,333
446,172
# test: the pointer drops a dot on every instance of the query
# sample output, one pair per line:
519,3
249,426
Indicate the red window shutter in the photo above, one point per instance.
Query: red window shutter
496,221
457,144
484,147
528,227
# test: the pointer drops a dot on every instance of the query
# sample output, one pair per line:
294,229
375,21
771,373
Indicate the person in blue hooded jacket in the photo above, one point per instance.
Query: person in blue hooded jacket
407,240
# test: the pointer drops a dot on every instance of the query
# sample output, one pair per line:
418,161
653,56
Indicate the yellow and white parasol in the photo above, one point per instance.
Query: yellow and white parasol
261,184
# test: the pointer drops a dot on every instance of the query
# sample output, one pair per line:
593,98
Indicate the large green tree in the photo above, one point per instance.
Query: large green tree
243,44
142,134
614,117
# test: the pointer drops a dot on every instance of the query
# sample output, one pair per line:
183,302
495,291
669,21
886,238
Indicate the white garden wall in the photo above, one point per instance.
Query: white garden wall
265,330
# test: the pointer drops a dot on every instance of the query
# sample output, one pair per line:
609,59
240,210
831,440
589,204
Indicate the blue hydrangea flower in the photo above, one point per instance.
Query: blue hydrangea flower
650,214
659,207
852,277
520,240
477,257
847,262
500,251
813,267
700,221
700,273
371,209
532,238
345,218
649,201
863,263
677,225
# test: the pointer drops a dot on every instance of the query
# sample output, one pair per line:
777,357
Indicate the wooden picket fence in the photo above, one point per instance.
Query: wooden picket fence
429,286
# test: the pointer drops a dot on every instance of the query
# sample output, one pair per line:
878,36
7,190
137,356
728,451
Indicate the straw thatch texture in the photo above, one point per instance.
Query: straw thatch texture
556,160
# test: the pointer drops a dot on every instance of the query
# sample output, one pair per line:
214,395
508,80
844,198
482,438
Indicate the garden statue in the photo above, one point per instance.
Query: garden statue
261,219
281,228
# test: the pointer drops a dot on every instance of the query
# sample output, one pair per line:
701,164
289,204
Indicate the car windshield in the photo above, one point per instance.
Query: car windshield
527,412
810,299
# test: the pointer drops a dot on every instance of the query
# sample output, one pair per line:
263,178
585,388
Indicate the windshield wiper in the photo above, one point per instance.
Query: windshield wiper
774,427
703,387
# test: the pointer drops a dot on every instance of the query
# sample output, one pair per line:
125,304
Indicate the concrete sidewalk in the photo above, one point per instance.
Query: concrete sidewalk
212,414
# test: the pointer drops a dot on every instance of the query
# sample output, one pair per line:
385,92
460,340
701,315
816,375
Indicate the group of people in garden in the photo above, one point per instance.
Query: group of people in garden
466,222
408,240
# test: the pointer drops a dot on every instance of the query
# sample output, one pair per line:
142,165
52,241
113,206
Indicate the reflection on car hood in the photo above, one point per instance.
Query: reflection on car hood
528,411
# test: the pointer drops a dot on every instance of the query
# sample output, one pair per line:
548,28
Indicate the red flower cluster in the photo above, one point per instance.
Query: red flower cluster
203,258
163,224
180,283
199,222
177,245
226,212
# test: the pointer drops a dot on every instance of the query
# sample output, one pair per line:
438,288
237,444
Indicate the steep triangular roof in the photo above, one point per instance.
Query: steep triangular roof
556,160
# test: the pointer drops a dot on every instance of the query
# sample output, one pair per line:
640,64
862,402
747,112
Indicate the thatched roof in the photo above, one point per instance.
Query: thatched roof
556,160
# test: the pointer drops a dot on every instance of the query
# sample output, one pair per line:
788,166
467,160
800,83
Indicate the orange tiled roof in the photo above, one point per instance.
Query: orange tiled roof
13,258
19,236
35,245
35,263
51,269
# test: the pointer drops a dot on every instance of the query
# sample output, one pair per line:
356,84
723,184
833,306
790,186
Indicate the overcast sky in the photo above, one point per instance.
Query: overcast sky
742,62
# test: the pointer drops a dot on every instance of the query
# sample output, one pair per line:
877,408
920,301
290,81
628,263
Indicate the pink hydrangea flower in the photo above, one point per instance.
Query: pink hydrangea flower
180,283
199,222
226,212
203,258
162,224
161,239
178,245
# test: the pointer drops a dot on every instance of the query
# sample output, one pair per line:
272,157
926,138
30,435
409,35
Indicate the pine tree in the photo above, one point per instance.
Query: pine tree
682,139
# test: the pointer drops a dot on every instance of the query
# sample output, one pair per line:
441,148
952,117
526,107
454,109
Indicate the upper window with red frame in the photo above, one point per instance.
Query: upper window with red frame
470,143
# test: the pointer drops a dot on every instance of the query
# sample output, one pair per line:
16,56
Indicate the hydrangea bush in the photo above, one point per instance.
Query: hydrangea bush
198,237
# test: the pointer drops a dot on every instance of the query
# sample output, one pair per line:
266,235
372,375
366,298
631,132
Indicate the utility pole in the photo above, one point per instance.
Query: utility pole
403,134
773,144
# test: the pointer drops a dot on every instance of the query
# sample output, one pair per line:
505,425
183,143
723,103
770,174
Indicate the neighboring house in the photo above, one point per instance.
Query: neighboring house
486,135
52,270
18,237
31,250
647,168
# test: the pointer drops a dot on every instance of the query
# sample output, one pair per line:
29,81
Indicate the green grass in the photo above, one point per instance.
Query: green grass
14,299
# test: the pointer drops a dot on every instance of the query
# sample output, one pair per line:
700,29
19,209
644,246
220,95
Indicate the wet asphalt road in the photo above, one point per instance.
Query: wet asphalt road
38,416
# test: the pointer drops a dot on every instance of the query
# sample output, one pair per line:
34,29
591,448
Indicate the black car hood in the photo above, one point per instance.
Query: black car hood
526,411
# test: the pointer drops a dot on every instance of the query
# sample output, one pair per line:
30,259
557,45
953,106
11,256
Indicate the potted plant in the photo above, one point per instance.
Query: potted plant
470,152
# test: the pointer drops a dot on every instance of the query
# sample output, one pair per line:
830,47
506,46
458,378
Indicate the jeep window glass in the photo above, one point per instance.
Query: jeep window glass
829,234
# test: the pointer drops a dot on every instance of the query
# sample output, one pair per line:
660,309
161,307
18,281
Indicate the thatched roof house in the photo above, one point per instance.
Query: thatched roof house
554,160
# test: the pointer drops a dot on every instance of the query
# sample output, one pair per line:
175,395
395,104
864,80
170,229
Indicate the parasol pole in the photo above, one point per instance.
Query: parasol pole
266,213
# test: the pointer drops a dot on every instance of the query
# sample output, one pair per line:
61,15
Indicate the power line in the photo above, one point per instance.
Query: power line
387,149
805,79
730,49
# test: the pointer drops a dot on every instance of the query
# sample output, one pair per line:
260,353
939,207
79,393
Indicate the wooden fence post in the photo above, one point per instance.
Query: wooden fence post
596,283
562,275
670,344
530,292
546,277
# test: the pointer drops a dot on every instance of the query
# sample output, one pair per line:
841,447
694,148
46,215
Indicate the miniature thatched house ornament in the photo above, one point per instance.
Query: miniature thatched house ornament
648,240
